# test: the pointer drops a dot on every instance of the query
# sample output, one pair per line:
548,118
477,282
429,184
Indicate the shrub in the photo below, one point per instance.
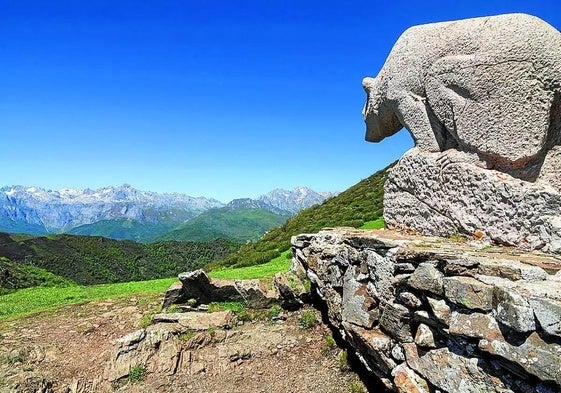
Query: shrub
357,387
173,308
147,318
457,238
189,334
274,312
329,344
344,361
238,308
308,319
137,374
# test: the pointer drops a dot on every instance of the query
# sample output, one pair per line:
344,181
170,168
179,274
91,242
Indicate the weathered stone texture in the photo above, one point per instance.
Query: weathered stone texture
196,288
427,194
469,292
420,319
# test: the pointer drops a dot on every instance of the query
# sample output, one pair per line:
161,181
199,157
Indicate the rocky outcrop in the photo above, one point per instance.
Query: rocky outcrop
429,314
166,346
439,194
196,290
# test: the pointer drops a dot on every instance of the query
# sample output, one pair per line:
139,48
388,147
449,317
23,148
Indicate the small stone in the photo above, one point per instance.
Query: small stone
407,381
132,338
427,278
395,320
440,309
397,353
410,300
548,313
424,337
475,325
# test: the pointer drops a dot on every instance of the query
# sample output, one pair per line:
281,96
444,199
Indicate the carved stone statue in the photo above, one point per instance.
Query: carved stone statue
475,94
488,86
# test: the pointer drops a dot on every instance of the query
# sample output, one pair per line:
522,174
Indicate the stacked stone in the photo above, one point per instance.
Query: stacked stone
426,314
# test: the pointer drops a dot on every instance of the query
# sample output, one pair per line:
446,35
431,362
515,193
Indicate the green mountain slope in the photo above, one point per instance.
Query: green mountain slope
361,203
125,229
10,226
96,260
240,225
14,275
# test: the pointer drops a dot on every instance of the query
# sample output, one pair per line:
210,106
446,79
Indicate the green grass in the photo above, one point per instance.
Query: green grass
31,300
278,264
137,374
226,306
376,224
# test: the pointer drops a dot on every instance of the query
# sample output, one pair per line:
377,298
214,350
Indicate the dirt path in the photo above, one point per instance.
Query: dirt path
69,350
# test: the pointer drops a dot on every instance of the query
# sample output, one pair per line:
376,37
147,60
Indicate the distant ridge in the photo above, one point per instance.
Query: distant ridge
360,204
124,212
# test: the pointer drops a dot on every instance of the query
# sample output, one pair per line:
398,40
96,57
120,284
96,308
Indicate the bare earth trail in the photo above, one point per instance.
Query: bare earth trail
71,346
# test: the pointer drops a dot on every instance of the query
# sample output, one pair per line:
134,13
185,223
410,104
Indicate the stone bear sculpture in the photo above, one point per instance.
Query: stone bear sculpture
489,86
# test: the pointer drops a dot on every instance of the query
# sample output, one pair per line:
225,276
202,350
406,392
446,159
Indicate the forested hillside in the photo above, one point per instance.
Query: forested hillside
95,260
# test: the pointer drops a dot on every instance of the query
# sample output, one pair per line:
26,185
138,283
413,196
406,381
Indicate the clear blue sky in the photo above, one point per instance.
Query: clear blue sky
216,98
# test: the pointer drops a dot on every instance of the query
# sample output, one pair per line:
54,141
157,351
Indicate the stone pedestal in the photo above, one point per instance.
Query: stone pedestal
440,194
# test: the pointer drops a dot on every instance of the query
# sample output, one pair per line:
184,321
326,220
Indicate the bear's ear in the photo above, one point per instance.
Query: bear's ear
369,84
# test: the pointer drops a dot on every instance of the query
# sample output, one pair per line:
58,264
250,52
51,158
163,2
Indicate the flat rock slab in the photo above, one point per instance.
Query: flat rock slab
199,320
535,356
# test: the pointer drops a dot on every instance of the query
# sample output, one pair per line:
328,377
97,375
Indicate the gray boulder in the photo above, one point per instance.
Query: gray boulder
197,287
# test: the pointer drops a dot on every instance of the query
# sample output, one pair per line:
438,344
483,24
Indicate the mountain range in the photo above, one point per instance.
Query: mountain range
123,212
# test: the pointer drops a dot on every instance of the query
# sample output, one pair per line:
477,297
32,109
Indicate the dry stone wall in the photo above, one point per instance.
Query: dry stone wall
431,315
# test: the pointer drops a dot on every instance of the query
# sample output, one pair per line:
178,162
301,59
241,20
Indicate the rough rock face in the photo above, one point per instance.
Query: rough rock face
489,86
431,194
426,314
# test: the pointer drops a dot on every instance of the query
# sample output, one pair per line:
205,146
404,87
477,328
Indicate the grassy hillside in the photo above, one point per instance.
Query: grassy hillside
125,229
360,204
238,225
95,260
31,300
